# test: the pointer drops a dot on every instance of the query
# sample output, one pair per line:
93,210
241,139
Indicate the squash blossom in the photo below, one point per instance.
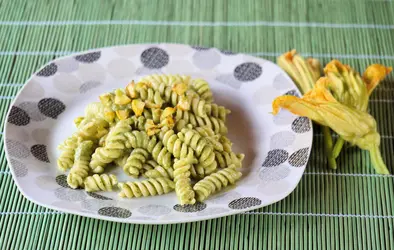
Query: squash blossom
353,125
305,72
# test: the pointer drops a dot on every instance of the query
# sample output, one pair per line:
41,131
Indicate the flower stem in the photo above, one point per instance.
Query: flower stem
338,147
328,147
377,161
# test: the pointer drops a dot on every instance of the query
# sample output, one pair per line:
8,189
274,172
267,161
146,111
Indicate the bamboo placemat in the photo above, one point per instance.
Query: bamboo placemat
351,208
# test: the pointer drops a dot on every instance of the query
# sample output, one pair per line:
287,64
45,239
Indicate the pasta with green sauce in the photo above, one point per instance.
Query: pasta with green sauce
165,128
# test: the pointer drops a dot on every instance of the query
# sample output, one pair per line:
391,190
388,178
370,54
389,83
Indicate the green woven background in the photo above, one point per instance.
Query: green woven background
351,208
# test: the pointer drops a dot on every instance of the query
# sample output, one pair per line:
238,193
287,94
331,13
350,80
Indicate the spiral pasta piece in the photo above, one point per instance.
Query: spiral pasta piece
204,151
176,146
203,90
211,137
149,187
102,182
155,147
168,80
115,146
81,168
225,159
92,129
159,172
184,118
183,187
66,158
148,165
217,111
215,182
135,162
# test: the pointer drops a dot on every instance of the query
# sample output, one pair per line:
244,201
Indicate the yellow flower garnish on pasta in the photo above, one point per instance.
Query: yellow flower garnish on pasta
137,106
130,90
374,74
123,114
106,99
78,120
169,111
110,116
151,128
354,126
121,98
180,88
183,103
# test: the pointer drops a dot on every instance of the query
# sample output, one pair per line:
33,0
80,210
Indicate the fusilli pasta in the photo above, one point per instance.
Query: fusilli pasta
149,187
102,182
80,170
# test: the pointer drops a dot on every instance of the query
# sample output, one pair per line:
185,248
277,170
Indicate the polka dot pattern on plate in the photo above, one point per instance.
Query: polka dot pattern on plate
200,48
19,168
275,157
70,194
282,139
299,158
281,82
154,58
51,107
245,202
301,125
48,70
67,83
206,59
32,109
61,180
190,208
114,212
40,135
17,149
274,174
85,87
18,117
247,72
97,196
154,210
88,57
40,152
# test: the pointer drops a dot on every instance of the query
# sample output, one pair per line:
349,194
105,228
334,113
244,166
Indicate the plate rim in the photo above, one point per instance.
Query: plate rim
127,220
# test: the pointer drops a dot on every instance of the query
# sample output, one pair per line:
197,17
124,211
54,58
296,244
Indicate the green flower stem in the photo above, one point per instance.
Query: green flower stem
377,161
328,144
337,147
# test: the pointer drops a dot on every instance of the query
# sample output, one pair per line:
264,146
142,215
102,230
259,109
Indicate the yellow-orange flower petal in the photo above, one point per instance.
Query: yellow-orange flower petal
374,74
138,107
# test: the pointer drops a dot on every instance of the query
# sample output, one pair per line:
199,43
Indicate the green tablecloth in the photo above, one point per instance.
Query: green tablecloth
351,208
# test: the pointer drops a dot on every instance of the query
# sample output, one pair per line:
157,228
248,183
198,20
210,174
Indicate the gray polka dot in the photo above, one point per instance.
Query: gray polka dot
154,210
88,57
33,89
61,180
95,205
275,158
281,82
213,210
190,208
51,107
97,196
282,139
114,212
48,70
301,125
154,58
274,174
32,109
245,202
19,168
292,92
247,72
70,194
67,83
92,72
228,53
229,80
200,48
18,116
21,135
40,135
17,149
46,182
67,65
206,59
88,86
40,152
299,158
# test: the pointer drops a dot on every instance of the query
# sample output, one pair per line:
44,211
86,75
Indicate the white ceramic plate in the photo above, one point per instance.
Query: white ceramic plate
276,148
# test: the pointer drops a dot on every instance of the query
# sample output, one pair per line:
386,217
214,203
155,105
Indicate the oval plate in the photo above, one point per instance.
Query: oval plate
41,117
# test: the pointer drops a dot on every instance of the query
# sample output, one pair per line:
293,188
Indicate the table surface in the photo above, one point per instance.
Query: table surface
351,208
